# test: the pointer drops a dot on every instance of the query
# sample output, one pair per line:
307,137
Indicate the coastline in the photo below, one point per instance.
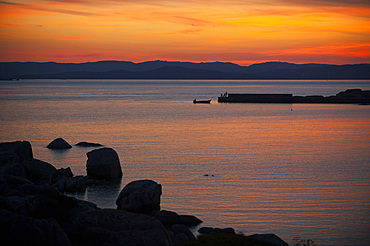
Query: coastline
35,210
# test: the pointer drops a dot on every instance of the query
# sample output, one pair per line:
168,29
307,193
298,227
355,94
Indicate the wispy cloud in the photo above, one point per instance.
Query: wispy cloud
48,9
86,55
335,3
75,38
193,21
228,30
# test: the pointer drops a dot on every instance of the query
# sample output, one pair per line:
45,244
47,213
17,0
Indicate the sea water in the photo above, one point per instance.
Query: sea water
296,170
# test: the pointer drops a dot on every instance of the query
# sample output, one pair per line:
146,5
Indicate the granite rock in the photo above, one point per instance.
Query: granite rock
268,239
59,143
141,196
87,144
103,163
15,152
189,220
168,218
67,172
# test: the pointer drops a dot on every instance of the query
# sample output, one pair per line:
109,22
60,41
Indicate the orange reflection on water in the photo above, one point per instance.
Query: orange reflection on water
274,170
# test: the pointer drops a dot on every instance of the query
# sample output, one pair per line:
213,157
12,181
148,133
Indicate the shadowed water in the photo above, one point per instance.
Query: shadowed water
293,170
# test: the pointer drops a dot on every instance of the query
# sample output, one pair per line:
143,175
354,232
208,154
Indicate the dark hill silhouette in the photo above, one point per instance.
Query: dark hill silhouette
319,71
169,72
180,70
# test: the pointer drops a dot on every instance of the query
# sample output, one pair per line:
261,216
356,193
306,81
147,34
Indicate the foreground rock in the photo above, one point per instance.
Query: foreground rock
210,230
12,156
67,172
15,152
222,238
87,225
34,212
40,172
40,215
189,220
25,230
71,184
16,159
172,221
180,233
141,196
103,163
169,218
59,143
268,239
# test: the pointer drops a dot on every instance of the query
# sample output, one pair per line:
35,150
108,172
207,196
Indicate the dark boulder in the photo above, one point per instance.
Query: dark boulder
12,157
141,196
222,238
59,143
39,215
13,169
23,230
21,196
103,163
209,230
40,172
206,230
86,224
226,230
168,218
67,172
181,233
15,152
189,220
268,239
70,184
33,211
87,144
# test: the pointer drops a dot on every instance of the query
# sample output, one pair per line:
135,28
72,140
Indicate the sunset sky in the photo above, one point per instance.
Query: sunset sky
239,31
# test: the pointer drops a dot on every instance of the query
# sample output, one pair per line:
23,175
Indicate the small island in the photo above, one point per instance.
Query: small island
350,96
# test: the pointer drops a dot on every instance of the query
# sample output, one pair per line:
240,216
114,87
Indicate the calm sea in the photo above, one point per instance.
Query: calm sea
299,171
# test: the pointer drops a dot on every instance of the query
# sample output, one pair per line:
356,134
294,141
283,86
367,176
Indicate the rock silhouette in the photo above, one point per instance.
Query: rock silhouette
59,143
33,211
87,144
103,163
141,196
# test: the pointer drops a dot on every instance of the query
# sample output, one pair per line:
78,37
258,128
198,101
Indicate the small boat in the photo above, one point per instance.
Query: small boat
202,101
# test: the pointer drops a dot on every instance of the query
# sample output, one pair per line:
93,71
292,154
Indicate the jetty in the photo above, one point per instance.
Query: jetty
350,96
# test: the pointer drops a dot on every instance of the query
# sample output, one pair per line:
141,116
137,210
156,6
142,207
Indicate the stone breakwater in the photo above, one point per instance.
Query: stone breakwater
35,211
350,96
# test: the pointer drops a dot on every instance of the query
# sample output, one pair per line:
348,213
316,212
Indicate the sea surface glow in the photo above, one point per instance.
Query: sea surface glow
299,171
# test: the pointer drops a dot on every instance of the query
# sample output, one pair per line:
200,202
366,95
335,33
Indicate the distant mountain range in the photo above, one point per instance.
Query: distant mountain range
179,70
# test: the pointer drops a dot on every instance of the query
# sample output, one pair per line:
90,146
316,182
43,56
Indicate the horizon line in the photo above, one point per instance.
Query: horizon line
199,62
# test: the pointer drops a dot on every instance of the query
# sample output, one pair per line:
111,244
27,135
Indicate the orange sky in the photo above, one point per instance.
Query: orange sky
239,31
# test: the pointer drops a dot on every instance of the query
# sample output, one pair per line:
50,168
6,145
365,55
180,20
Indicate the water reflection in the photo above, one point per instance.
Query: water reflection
104,195
293,173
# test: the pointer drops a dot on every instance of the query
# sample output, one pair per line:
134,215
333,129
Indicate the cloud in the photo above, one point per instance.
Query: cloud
336,3
83,37
57,10
193,21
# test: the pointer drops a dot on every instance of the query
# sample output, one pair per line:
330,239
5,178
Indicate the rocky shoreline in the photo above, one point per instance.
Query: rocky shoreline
35,211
